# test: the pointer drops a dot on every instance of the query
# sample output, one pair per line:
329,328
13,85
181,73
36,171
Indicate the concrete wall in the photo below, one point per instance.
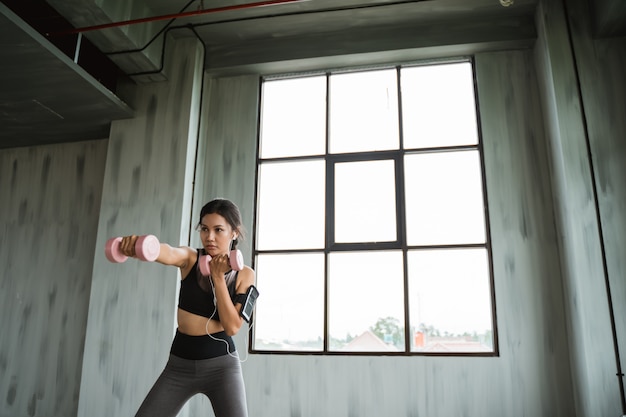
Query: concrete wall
227,149
601,66
147,188
584,104
48,217
91,338
135,46
531,376
227,168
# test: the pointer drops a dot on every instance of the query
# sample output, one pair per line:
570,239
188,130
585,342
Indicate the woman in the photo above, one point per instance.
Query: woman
203,357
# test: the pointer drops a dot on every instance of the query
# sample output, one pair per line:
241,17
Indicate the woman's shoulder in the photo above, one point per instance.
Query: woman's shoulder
245,277
247,270
192,255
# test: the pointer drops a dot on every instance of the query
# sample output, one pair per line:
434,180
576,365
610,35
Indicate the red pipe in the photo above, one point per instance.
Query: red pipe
176,15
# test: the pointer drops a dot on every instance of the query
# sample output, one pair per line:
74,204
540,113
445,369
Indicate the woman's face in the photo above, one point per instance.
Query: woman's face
216,234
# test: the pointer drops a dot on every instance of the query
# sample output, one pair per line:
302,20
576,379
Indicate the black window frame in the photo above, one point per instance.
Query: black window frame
400,244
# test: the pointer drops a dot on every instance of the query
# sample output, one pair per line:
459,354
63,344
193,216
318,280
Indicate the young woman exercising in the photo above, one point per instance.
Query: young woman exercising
203,357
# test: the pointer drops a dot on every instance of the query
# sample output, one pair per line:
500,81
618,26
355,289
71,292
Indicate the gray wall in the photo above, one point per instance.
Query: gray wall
590,196
227,150
602,65
48,216
531,376
90,339
147,189
226,168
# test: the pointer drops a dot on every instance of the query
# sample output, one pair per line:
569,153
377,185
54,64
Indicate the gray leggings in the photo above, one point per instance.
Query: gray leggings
219,378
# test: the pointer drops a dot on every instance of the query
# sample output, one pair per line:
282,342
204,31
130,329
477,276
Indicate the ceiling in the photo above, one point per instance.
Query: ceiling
52,94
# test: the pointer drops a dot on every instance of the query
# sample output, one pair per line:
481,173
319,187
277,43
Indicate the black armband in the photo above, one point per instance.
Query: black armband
239,298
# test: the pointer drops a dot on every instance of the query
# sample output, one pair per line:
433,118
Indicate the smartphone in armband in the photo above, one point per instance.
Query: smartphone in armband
248,305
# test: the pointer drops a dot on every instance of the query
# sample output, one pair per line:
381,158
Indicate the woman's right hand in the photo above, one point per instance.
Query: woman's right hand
127,245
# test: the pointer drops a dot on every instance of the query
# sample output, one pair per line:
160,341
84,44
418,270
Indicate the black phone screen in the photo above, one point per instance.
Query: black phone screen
248,305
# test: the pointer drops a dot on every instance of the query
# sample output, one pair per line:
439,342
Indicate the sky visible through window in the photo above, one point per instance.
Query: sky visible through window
448,287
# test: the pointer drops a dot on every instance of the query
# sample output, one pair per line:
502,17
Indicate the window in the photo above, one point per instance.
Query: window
371,228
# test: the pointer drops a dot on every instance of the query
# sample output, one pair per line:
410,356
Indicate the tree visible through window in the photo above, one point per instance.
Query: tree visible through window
371,229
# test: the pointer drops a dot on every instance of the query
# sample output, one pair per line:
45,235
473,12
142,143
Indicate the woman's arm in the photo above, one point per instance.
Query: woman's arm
229,314
181,257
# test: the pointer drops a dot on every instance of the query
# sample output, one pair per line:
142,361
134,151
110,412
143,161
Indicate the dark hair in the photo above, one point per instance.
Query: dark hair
228,210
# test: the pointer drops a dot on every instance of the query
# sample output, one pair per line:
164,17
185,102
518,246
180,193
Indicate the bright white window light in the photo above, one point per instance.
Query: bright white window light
371,234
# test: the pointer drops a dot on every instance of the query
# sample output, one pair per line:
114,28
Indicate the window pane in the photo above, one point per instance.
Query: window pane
449,300
438,106
444,199
377,278
363,111
288,193
365,202
366,301
293,117
289,313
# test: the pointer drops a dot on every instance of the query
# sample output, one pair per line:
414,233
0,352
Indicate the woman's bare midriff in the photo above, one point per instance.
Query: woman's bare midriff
195,325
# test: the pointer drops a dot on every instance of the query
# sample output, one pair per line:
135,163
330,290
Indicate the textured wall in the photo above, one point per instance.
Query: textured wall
226,168
146,189
602,65
137,37
50,201
582,237
531,320
531,376
227,151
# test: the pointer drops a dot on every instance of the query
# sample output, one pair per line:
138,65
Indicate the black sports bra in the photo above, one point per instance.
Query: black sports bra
196,292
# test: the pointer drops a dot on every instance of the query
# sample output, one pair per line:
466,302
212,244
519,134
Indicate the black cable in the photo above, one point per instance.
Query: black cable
163,29
267,16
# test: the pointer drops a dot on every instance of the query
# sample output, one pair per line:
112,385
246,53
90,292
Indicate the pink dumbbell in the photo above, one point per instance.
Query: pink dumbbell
235,259
147,248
